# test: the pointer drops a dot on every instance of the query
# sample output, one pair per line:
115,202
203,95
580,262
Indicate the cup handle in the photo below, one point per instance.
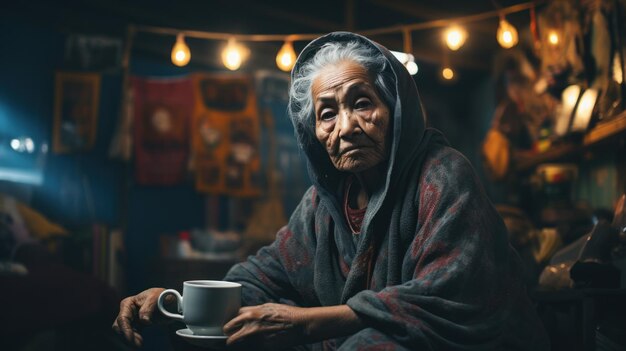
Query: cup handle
179,302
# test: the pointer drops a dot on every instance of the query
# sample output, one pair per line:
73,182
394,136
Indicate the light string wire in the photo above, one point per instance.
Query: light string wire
403,28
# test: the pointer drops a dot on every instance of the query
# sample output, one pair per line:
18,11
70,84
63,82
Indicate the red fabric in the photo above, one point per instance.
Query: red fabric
162,117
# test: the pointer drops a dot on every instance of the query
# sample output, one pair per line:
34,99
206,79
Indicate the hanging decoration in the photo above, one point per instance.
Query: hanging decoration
76,103
533,30
225,135
562,40
447,73
234,54
180,52
455,37
286,57
553,37
507,34
162,113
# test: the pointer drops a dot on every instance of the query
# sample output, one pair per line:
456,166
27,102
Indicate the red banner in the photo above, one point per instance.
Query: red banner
162,116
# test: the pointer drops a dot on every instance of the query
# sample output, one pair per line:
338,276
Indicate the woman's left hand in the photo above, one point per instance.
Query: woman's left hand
271,325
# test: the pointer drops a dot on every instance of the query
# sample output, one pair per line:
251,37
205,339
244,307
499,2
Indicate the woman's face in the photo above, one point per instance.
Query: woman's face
351,120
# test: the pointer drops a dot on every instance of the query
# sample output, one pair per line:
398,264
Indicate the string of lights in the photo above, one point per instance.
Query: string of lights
235,53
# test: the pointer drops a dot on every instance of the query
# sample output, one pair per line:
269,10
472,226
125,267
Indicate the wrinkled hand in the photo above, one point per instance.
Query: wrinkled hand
269,325
136,311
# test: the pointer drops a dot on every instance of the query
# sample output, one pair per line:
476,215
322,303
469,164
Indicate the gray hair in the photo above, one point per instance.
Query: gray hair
300,98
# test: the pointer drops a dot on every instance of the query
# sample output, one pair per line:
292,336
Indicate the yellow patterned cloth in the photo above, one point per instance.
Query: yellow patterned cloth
36,224
225,135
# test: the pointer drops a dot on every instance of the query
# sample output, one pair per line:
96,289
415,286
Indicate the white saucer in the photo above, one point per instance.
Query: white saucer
202,340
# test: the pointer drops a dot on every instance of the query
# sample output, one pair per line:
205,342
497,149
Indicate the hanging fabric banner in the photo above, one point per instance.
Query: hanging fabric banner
162,115
225,137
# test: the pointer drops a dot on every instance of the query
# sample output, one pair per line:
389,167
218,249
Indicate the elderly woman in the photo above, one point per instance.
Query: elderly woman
395,246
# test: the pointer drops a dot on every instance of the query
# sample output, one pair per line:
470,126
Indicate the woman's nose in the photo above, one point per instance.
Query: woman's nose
347,124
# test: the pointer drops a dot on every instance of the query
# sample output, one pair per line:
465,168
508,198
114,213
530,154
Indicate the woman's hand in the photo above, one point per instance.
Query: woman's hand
270,325
136,311
276,326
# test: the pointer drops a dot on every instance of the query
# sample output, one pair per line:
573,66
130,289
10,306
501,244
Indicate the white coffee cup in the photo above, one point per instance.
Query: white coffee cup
206,305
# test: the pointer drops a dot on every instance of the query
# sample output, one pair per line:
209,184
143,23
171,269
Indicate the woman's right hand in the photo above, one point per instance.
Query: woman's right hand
136,311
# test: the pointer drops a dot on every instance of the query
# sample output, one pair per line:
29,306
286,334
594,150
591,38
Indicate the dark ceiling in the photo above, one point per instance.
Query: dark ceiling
111,17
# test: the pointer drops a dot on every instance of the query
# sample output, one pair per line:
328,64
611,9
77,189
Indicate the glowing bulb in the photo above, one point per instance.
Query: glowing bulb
447,73
569,98
233,55
29,145
180,52
455,37
412,68
23,144
286,57
553,37
15,144
584,111
507,34
617,70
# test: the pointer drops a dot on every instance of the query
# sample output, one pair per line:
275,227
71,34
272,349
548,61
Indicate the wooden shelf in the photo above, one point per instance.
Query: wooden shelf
606,130
600,133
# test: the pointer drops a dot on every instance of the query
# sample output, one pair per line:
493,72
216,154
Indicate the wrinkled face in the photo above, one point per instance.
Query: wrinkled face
351,120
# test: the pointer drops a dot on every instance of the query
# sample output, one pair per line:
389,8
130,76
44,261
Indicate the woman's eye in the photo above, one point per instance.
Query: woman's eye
326,115
362,104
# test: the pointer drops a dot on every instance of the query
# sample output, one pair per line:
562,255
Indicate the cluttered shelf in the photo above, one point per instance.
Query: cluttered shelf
602,132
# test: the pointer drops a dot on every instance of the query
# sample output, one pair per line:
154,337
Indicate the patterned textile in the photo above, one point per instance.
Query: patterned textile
443,276
225,137
162,113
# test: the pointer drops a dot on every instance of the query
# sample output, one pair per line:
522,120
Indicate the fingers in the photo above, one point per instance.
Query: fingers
115,327
129,308
243,325
148,307
245,314
136,308
123,323
252,322
256,331
232,326
245,331
138,339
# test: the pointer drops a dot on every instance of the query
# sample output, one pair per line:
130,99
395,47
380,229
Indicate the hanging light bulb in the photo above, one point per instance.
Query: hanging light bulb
553,37
180,52
447,73
507,34
286,57
234,54
455,37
